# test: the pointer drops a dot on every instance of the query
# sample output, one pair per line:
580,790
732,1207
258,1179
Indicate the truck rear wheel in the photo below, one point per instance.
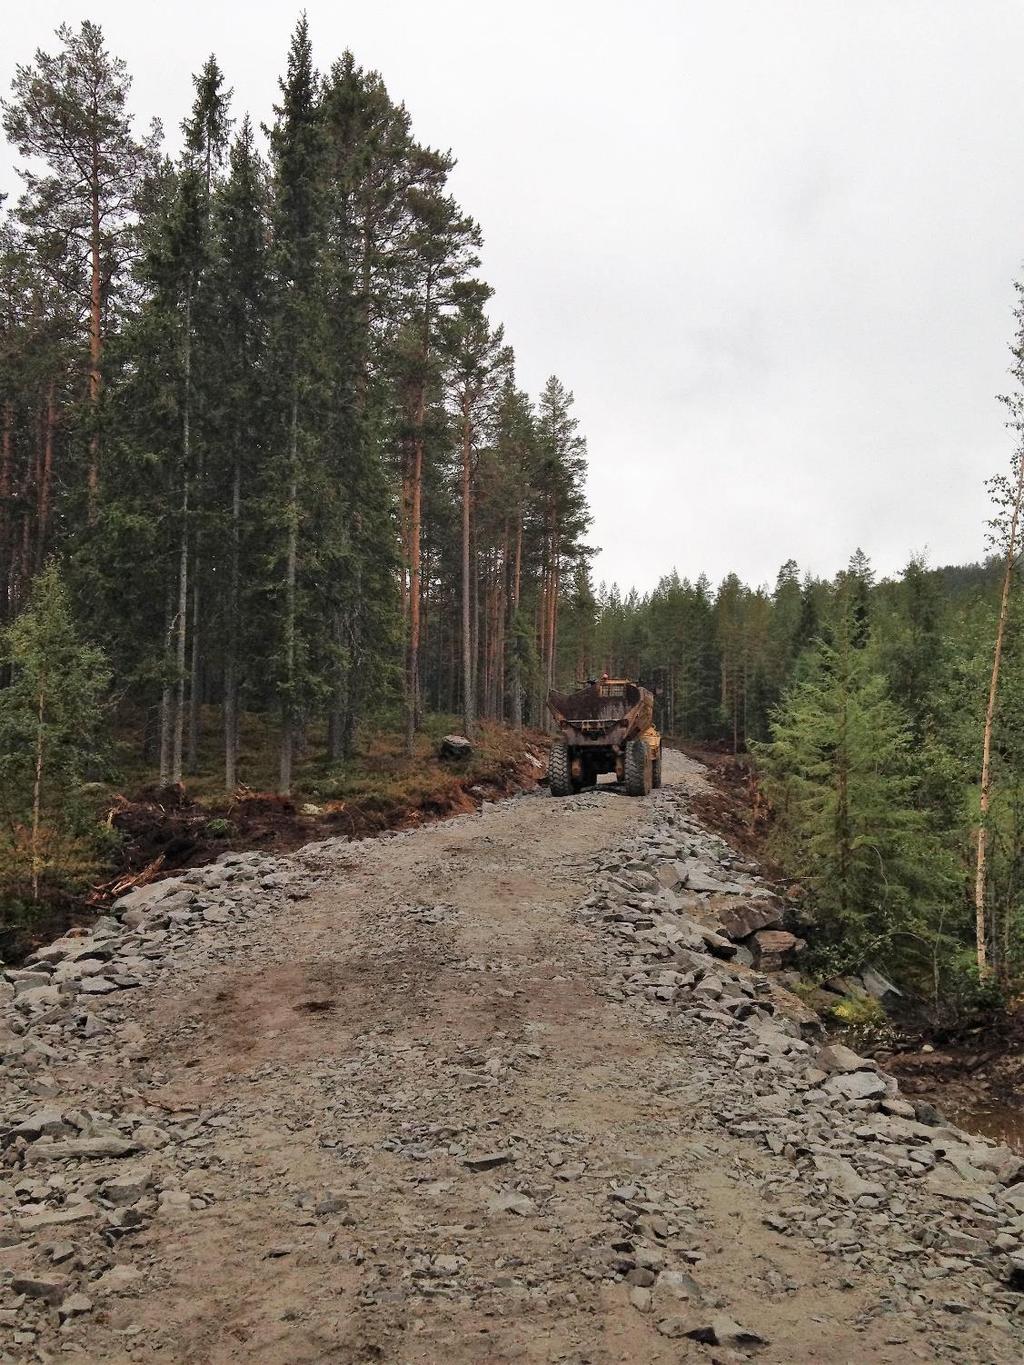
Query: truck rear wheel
559,774
638,768
656,770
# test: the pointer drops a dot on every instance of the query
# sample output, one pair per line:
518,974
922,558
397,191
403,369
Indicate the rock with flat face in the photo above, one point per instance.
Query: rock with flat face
772,948
857,1085
58,1218
844,1180
128,1186
38,997
145,898
881,989
717,944
839,1059
1007,1166
42,1123
455,746
671,875
117,1279
850,986
744,920
50,1288
721,1330
949,1185
81,1149
699,879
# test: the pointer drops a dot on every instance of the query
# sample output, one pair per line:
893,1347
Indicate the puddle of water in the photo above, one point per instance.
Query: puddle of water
1004,1123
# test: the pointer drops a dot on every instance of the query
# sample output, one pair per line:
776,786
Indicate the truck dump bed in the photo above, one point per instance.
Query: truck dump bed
608,712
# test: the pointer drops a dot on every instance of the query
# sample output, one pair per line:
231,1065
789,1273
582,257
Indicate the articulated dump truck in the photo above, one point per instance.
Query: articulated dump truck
606,728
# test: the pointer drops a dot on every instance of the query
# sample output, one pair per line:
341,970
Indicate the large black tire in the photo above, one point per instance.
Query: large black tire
559,773
638,768
656,770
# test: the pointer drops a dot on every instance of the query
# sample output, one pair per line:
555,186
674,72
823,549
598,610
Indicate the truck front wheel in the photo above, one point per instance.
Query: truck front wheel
638,768
559,774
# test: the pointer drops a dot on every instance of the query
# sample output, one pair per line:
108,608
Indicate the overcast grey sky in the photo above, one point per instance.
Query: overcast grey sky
770,244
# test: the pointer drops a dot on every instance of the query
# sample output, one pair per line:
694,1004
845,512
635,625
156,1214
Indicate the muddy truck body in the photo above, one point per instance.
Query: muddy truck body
606,727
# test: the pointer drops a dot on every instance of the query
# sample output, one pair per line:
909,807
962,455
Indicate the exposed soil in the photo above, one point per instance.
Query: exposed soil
164,830
167,824
980,1085
733,805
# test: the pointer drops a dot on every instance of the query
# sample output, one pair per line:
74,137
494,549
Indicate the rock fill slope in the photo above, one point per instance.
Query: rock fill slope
519,1086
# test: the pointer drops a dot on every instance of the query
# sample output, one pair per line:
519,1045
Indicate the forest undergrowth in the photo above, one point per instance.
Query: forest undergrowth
154,830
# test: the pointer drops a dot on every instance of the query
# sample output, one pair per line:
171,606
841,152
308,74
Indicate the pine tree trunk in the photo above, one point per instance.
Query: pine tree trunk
167,695
517,665
984,794
37,788
95,335
6,462
553,614
44,493
501,668
468,715
194,688
182,620
288,707
542,630
412,679
231,659
336,714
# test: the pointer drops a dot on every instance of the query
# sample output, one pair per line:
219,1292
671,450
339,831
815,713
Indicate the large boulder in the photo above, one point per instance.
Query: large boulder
671,875
857,1085
839,1060
144,898
881,989
743,920
773,948
455,746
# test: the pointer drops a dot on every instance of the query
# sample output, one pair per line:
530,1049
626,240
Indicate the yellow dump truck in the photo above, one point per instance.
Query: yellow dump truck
607,727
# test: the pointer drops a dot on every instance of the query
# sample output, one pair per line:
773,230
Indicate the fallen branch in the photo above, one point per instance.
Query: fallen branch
124,883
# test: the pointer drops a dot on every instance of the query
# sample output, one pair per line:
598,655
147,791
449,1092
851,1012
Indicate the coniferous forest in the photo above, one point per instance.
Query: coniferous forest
265,462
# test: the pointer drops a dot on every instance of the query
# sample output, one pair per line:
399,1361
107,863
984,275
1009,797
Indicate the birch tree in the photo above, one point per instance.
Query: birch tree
1008,494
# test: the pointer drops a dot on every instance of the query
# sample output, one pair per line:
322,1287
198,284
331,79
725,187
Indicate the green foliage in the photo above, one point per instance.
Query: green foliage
844,775
52,721
862,1012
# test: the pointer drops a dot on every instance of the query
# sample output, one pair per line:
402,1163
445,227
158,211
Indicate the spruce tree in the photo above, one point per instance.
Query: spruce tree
563,511
239,294
297,150
51,725
843,774
206,134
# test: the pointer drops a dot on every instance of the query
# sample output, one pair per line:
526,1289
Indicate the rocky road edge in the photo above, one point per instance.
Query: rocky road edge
881,1183
862,1174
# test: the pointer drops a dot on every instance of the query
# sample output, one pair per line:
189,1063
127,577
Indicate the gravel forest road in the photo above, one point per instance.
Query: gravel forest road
399,1102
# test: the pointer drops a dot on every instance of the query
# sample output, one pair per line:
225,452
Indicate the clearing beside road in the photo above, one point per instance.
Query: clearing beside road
469,1094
